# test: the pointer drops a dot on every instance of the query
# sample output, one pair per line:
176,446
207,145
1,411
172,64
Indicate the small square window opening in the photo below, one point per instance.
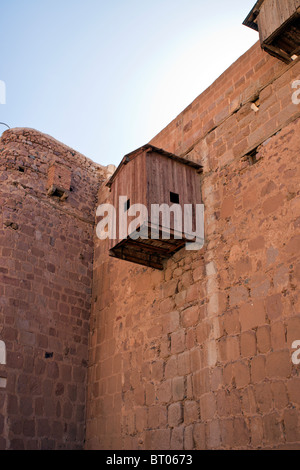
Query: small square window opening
174,198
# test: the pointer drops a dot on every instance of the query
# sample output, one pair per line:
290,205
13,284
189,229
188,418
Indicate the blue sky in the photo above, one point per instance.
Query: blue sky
104,77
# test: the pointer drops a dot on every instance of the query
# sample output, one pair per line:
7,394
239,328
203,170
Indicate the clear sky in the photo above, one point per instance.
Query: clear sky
104,77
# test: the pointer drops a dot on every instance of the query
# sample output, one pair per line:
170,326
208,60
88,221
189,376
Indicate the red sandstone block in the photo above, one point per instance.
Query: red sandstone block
293,388
190,316
135,378
257,244
291,425
157,370
216,378
258,369
154,331
17,444
180,299
208,406
198,273
186,281
241,148
171,369
14,360
213,434
257,432
222,349
177,439
167,305
26,406
293,330
227,432
175,415
52,370
241,433
202,332
165,347
164,392
157,417
278,364
199,436
227,207
141,419
178,342
190,338
188,441
238,295
169,288
280,396
241,373
195,292
170,322
232,347
272,429
231,322
29,428
293,246
263,339
273,306
223,401
278,336
248,344
264,398
184,363
178,388
273,203
161,439
196,359
252,315
191,412
43,427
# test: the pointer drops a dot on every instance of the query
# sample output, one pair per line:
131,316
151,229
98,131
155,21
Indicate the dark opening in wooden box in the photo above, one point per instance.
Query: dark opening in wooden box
151,176
278,23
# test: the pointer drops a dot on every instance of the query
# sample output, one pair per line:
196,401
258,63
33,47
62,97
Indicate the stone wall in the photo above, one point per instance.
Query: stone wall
198,356
46,256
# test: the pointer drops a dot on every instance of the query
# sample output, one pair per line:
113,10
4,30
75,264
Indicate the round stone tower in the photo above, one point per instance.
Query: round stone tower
48,195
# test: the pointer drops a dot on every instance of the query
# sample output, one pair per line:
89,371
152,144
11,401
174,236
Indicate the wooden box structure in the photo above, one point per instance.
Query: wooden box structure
148,176
278,23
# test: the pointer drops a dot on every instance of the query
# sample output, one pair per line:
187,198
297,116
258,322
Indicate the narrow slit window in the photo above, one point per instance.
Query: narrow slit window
174,198
58,193
2,353
127,205
252,157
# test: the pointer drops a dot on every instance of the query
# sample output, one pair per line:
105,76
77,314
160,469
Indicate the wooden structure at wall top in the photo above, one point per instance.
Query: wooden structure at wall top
278,24
148,176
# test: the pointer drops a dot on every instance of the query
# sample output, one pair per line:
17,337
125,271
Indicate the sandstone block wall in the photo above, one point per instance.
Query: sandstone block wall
46,256
199,356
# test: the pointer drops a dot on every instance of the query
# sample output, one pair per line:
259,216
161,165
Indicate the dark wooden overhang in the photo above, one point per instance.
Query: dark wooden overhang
250,20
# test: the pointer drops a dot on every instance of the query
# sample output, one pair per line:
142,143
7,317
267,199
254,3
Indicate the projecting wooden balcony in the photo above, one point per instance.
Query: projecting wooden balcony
152,176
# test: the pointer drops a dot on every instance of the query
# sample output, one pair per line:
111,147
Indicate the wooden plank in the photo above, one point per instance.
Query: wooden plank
150,263
273,15
277,52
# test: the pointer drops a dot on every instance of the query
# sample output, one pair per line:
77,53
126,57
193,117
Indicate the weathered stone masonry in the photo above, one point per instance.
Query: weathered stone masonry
46,248
197,356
